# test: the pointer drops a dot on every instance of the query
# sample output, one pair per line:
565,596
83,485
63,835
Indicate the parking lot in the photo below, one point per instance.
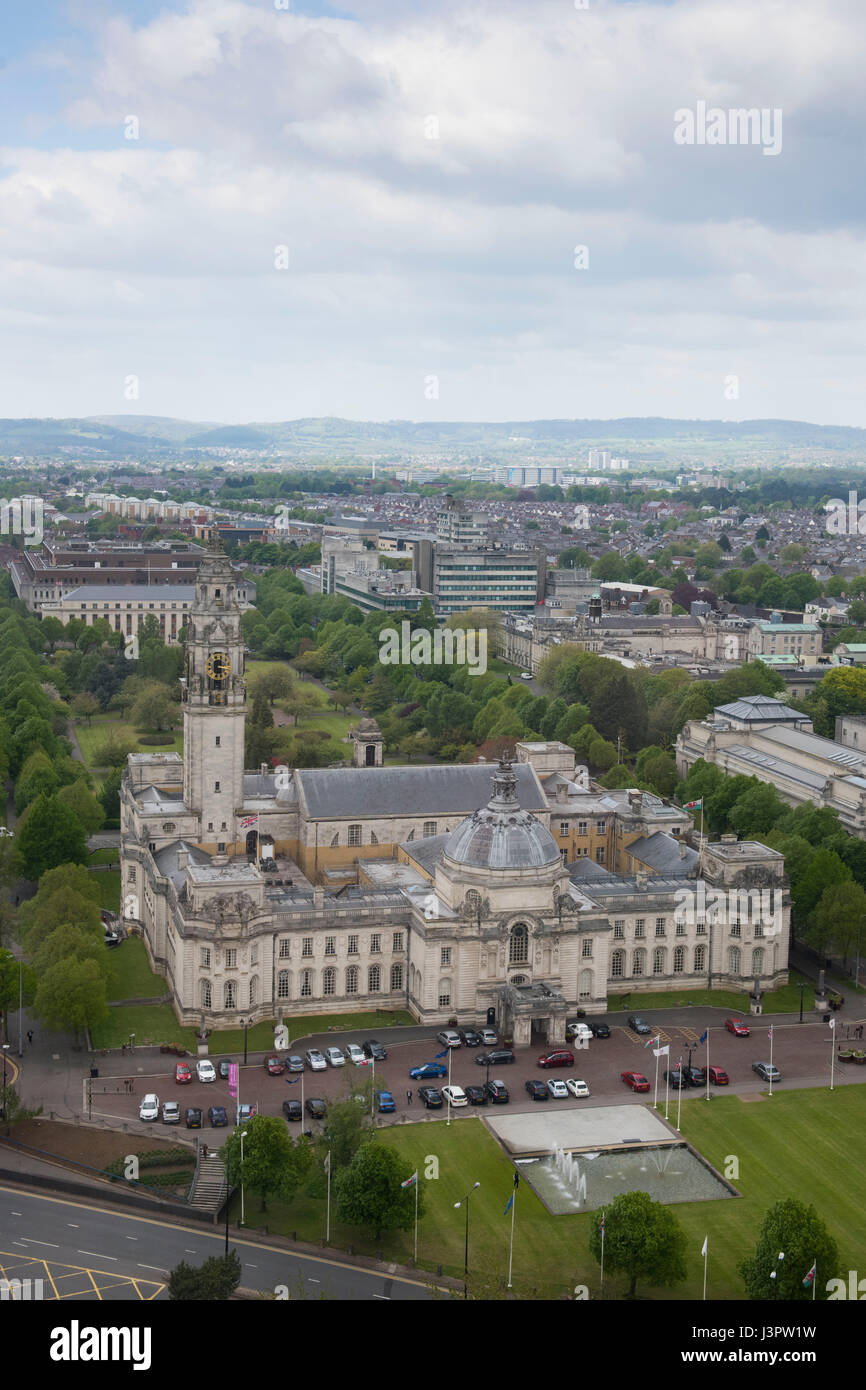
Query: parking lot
800,1051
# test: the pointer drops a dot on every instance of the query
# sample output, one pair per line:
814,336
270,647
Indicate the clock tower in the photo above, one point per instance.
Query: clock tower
214,704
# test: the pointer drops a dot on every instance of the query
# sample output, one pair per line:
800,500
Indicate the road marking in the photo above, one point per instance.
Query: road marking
382,1296
314,1281
97,1256
158,1268
72,1225
16,1213
249,1266
187,1251
31,1241
132,1237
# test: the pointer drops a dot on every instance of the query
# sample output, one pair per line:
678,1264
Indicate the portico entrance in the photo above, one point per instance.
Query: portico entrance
533,1013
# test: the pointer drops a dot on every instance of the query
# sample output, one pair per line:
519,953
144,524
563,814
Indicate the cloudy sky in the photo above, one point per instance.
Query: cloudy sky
372,210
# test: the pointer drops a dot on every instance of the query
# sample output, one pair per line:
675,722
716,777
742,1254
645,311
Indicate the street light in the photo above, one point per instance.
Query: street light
245,1024
457,1206
802,992
243,1137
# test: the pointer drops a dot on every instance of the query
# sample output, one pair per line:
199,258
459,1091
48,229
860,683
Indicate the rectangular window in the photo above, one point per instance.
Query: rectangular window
599,855
681,929
429,829
660,926
735,928
445,1000
231,958
601,827
330,945
307,948
619,929
397,941
586,948
205,957
354,834
216,786
445,955
581,827
131,873
284,948
563,827
217,741
254,955
375,943
353,945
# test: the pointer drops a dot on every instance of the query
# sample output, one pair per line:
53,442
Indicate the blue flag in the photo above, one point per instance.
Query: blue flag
704,1036
510,1204
441,1054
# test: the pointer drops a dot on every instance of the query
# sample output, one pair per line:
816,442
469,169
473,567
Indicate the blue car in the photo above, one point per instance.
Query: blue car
385,1101
429,1069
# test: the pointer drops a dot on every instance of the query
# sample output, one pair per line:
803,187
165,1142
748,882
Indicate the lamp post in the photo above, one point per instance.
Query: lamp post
5,1050
243,1137
802,993
245,1024
457,1205
20,1008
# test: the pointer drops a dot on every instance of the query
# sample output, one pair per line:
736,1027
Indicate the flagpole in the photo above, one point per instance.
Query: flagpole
679,1092
814,1278
656,1051
667,1075
602,1252
706,1257
771,1059
832,1051
416,1220
448,1121
511,1249
708,1062
328,1225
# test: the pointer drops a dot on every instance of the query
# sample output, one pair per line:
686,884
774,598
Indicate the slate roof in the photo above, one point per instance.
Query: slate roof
661,853
341,793
756,708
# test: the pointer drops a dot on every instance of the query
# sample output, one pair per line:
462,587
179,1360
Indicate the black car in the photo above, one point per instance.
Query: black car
315,1108
223,1068
538,1090
294,1064
638,1024
430,1096
216,1117
491,1059
475,1095
677,1079
193,1117
599,1030
695,1076
470,1037
374,1049
498,1092
292,1110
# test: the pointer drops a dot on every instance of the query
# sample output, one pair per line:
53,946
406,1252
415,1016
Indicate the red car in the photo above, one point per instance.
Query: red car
635,1080
274,1066
718,1076
182,1074
560,1058
737,1027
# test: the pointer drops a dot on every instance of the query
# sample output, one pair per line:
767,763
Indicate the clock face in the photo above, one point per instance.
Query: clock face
218,666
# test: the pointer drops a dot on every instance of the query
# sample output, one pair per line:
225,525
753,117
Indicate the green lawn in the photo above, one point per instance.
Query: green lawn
129,972
103,856
151,1023
156,1023
91,735
781,1001
108,882
801,1143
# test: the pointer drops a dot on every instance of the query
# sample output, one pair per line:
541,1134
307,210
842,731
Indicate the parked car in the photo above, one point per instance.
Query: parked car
111,938
449,1037
471,1037
223,1068
294,1064
355,1054
557,1088
170,1112
577,1088
182,1074
638,1024
738,1027
217,1117
456,1095
635,1080
204,1070
430,1096
695,1076
526,675
245,1112
475,1095
489,1037
293,1110
718,1076
428,1070
274,1066
676,1079
374,1049
581,1033
495,1056
560,1057
315,1061
497,1092
766,1071
385,1102
600,1029
193,1117
315,1107
335,1056
537,1090
149,1108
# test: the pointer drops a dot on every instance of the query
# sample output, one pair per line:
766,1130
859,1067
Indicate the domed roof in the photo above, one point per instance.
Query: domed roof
502,835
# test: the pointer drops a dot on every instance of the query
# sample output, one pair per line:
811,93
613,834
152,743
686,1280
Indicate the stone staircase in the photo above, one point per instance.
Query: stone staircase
208,1188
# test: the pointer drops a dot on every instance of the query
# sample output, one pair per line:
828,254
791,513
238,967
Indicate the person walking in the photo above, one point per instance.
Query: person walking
30,1036
408,1097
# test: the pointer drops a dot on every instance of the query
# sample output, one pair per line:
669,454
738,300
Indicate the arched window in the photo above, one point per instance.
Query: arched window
231,994
519,948
283,985
617,965
306,984
733,960
396,976
679,960
168,826
584,987
700,959
374,979
519,980
659,960
352,980
758,960
254,991
205,994
637,963
329,980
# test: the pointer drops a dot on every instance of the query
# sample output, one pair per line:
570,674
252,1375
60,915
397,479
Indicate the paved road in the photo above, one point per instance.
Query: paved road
82,1252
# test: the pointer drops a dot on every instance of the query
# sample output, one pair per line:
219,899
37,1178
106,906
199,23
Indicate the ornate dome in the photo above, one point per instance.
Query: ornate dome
502,835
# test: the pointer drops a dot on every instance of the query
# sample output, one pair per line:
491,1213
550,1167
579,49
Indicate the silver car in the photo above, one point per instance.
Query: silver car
315,1061
335,1056
170,1112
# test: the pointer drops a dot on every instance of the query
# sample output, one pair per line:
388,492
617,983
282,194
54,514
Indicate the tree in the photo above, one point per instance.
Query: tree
369,1193
642,1239
12,1110
838,919
213,1281
113,751
756,811
275,684
347,1127
273,1164
85,805
65,894
602,754
9,970
85,705
154,710
796,1231
50,834
70,996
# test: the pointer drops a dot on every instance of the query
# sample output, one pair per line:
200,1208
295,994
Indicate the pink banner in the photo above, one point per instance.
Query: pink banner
233,1080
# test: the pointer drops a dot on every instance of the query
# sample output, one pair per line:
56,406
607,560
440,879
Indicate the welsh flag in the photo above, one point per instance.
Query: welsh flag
810,1277
411,1182
694,805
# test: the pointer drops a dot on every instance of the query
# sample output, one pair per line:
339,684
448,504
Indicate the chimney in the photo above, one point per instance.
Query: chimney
318,896
263,768
640,876
182,858
682,849
562,791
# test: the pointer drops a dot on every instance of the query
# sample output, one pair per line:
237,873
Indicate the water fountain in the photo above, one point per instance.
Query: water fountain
569,1182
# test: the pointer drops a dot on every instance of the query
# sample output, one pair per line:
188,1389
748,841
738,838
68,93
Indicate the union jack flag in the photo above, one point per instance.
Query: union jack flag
249,821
